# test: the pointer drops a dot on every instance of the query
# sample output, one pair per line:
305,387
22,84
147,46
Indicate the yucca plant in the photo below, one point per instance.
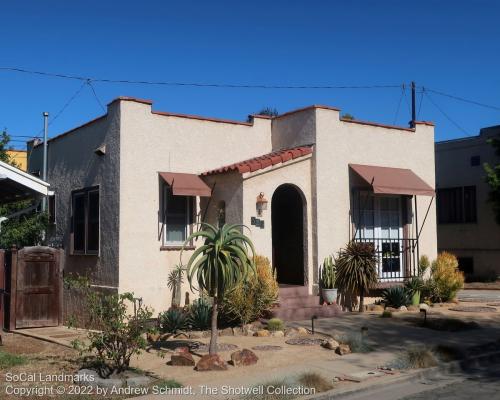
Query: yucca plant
357,269
219,265
396,296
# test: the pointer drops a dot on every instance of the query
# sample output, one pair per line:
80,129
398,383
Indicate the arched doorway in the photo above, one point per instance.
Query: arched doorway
287,217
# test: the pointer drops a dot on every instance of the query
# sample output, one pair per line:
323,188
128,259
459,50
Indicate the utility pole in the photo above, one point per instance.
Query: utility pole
413,114
45,148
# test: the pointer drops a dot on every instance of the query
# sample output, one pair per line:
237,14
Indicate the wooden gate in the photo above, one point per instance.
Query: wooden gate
35,287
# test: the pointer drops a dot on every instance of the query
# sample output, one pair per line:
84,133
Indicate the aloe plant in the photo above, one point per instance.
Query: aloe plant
328,273
219,265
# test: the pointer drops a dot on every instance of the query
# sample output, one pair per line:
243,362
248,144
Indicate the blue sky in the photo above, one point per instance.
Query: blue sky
451,46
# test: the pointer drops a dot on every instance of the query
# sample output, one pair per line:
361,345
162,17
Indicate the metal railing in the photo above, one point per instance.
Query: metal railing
397,258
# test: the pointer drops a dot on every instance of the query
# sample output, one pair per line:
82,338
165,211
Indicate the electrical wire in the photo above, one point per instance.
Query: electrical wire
95,95
445,114
464,100
399,105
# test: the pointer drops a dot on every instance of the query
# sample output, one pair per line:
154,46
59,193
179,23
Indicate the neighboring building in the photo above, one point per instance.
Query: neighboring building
466,223
122,217
19,157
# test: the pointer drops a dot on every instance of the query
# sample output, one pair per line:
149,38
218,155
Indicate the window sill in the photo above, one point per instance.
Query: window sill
176,248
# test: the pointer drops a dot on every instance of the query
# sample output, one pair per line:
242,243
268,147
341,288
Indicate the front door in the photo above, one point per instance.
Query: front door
379,220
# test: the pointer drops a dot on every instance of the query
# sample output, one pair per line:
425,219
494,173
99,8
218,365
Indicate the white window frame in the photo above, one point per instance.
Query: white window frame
165,242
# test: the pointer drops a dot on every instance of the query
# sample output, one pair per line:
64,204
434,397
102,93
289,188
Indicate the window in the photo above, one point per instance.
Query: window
177,218
52,209
456,205
85,221
475,161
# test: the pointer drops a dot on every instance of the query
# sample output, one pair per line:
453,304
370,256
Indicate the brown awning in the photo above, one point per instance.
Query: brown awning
186,184
385,180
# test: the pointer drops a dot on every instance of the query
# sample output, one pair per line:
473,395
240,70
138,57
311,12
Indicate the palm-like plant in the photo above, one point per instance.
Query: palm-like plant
219,265
174,282
357,269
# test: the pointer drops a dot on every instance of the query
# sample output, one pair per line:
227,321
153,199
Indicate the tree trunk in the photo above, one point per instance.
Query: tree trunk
362,300
213,337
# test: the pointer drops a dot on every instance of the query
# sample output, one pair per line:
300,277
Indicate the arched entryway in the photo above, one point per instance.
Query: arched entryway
288,222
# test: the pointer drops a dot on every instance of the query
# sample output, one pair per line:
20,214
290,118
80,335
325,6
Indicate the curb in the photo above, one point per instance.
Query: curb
448,368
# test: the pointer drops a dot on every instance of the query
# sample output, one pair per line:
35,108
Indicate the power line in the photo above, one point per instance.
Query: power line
399,105
464,100
445,114
95,95
194,84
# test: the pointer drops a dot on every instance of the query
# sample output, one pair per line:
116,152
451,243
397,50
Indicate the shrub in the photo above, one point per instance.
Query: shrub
172,320
275,324
396,296
448,280
200,313
8,360
120,333
356,342
414,285
386,314
415,357
315,380
251,299
423,265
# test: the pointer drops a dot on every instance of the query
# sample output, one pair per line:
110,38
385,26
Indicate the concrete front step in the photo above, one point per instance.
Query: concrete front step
293,291
300,301
303,313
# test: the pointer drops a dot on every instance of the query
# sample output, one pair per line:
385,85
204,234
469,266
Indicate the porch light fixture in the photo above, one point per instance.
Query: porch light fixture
261,204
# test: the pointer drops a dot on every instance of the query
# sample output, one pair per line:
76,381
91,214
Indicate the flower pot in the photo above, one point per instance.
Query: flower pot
329,295
415,299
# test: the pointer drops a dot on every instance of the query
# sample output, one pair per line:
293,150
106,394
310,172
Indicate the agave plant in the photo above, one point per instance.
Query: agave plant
217,266
396,296
172,320
356,269
199,314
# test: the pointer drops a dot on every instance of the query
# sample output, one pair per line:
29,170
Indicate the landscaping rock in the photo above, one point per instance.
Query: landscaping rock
182,359
413,308
278,334
423,306
391,309
331,344
248,330
403,308
153,337
291,332
138,381
302,331
262,333
211,363
375,307
238,331
165,337
244,357
182,335
343,349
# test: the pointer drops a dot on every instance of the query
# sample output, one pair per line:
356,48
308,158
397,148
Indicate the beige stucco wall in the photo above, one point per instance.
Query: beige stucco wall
339,143
480,240
174,144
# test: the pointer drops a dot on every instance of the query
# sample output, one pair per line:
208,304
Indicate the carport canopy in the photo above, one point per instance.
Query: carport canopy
16,184
386,180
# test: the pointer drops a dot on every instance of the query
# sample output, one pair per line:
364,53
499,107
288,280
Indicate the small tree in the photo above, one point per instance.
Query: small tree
219,265
174,283
493,179
357,269
348,117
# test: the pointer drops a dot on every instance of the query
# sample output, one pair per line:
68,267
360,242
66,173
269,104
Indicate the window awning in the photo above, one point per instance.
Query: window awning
385,180
186,184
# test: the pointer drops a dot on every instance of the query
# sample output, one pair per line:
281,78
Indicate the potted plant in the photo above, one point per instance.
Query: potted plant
414,285
328,280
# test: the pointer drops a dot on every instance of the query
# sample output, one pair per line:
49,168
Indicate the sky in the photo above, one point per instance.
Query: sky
448,46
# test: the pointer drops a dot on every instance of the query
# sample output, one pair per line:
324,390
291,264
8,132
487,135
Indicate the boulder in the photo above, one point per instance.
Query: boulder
262,333
196,335
391,309
226,332
278,334
403,308
238,331
423,306
302,331
153,337
291,332
331,344
413,308
375,307
244,357
211,363
343,349
182,359
138,381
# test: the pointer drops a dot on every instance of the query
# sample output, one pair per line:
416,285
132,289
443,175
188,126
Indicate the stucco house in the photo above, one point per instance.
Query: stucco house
466,221
304,183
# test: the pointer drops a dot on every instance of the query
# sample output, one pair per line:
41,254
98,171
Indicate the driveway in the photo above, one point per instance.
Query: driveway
479,295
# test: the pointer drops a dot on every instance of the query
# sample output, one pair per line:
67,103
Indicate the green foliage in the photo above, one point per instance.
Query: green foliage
386,314
415,357
173,320
423,265
23,230
120,334
174,282
493,179
199,314
269,111
356,342
348,116
328,273
414,285
396,296
4,142
356,269
252,298
8,360
275,324
219,265
447,279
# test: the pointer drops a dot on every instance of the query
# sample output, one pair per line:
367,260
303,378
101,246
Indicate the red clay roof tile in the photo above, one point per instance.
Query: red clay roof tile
261,162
